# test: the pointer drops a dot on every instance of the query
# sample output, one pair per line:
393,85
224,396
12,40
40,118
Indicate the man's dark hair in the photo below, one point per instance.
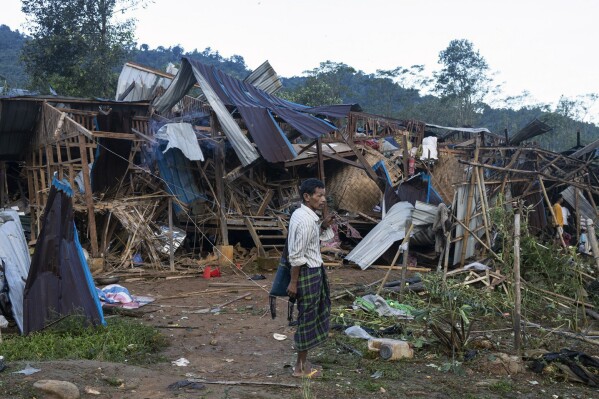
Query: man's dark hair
309,186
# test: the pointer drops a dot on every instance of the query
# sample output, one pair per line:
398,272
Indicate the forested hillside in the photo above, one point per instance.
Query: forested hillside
395,93
11,70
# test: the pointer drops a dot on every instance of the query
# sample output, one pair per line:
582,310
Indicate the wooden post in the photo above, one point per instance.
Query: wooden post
170,234
593,241
448,239
320,159
517,287
89,200
404,266
409,227
577,212
471,189
384,281
220,190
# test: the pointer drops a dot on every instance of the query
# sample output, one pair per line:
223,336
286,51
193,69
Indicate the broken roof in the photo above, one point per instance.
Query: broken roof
532,129
258,109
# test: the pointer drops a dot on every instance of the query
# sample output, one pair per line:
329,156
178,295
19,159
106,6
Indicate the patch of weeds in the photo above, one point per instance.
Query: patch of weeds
113,381
121,340
501,386
368,385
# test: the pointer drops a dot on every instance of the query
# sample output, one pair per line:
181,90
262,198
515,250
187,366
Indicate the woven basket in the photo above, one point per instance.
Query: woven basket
352,190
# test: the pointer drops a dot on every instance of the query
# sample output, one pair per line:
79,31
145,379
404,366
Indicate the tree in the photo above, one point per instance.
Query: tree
463,80
77,45
330,83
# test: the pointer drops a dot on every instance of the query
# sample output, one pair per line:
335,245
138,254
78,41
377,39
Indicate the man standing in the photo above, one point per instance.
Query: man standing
308,278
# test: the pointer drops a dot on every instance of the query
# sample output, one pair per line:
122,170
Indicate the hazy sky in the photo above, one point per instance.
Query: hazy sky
548,47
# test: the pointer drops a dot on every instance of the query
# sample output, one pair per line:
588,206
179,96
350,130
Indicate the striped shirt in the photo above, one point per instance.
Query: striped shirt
304,238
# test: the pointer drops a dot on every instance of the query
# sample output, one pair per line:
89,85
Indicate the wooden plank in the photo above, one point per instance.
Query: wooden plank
59,159
114,135
255,237
80,128
220,191
43,187
267,198
89,201
144,136
369,171
320,160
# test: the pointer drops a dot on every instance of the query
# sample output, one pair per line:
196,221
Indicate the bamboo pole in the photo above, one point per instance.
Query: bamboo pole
471,188
483,203
171,234
408,232
448,239
517,285
531,172
479,240
577,211
404,268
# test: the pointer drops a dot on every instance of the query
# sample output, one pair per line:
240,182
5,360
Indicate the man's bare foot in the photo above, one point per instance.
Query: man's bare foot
307,370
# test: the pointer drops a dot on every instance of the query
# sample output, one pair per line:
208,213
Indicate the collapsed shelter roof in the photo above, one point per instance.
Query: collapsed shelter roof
259,110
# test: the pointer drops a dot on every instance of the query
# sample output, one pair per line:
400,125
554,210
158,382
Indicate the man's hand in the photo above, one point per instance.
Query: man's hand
292,289
327,221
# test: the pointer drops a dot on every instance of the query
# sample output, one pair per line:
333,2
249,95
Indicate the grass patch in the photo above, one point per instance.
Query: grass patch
501,386
121,340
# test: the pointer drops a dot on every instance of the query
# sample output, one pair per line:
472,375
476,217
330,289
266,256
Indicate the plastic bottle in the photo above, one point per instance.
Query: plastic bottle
391,349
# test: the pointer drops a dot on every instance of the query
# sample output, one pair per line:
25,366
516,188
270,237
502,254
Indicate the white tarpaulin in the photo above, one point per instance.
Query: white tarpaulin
183,137
14,253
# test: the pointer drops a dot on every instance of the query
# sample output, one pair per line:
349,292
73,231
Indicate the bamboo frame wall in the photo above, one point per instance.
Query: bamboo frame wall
64,145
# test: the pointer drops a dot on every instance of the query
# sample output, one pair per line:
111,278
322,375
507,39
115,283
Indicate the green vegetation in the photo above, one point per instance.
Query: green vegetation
121,340
76,46
11,71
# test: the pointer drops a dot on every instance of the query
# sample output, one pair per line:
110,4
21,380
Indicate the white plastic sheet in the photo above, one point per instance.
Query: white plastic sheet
183,137
15,255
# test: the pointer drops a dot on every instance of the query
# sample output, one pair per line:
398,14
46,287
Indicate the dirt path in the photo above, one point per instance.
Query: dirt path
237,344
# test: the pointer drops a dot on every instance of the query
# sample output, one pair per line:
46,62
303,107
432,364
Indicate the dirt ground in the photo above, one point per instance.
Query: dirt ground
237,344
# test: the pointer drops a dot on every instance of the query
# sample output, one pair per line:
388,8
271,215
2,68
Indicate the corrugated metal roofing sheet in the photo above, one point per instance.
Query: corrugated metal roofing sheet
145,81
585,208
390,229
532,129
258,109
265,78
185,79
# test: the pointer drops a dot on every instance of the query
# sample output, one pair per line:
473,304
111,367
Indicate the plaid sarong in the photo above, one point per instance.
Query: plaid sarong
314,308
